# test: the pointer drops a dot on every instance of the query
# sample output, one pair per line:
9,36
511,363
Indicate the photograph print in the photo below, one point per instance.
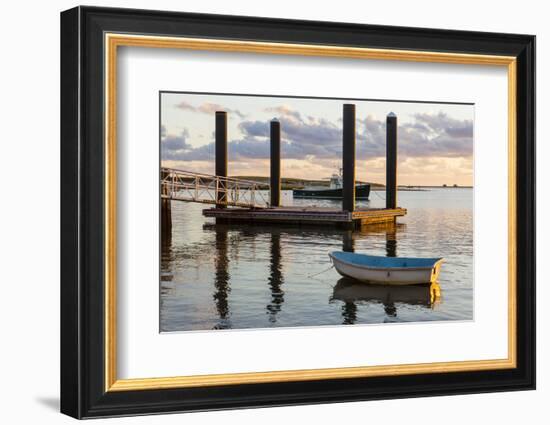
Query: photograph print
281,211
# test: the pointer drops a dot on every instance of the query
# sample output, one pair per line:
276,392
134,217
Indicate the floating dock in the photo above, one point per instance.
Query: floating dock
306,216
242,201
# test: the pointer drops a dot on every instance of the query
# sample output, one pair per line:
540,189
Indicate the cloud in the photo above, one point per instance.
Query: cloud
436,135
186,106
442,122
371,138
209,108
428,135
254,128
285,111
174,147
301,138
314,139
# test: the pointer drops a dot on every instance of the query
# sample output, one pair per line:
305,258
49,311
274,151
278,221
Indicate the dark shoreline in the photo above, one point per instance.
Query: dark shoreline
288,183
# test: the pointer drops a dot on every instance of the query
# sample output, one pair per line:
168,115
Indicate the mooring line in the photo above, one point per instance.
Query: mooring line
380,196
322,271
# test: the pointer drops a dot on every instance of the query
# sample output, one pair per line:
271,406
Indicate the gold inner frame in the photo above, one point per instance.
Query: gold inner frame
113,41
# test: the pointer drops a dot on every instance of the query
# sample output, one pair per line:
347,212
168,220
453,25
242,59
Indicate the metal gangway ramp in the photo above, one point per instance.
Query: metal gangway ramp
181,185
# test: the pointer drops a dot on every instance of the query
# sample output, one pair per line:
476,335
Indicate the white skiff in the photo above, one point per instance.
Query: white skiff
386,270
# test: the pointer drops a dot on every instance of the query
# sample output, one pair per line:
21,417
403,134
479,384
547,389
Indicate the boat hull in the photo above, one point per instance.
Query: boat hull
361,192
387,276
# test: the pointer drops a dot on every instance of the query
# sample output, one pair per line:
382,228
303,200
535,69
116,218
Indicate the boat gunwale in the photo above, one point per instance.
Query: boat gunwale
439,261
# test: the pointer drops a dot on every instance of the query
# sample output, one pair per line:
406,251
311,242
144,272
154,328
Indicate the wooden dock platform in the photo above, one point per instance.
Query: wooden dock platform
306,216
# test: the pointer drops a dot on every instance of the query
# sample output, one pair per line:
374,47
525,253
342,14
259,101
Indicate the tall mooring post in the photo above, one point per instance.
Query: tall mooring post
221,154
348,158
165,211
166,220
391,161
275,159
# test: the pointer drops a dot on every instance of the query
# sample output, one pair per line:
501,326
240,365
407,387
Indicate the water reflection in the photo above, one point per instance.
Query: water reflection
347,241
221,281
349,313
346,290
275,280
351,293
167,258
253,276
391,243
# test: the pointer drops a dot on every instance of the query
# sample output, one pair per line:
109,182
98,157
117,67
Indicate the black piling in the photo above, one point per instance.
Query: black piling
348,158
391,161
275,170
165,212
166,221
221,153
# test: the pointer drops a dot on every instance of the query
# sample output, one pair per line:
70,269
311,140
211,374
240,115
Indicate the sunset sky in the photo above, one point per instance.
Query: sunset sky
435,141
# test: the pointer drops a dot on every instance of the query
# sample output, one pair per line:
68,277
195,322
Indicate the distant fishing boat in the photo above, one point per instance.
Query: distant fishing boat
334,191
386,270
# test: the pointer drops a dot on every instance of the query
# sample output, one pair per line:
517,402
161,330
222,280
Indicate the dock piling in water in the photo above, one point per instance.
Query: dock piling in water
275,163
166,218
165,208
221,152
391,161
348,158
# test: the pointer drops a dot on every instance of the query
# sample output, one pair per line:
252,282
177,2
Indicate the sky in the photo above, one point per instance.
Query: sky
434,141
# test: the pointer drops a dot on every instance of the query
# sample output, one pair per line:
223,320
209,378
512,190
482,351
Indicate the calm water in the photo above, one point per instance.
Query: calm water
239,276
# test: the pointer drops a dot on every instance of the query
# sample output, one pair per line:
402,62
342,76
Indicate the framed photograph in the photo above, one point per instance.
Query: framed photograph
261,212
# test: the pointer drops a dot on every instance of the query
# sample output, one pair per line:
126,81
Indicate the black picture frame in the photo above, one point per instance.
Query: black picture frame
83,392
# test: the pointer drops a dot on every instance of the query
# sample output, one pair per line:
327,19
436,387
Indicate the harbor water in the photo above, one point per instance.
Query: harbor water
261,276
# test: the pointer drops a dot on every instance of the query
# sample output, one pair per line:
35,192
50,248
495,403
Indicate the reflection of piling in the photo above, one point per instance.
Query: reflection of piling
390,309
221,153
349,313
391,244
391,161
347,241
348,159
221,280
275,160
275,278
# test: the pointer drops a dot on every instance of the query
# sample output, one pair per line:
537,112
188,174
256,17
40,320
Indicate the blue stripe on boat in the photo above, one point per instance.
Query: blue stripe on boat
383,262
